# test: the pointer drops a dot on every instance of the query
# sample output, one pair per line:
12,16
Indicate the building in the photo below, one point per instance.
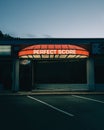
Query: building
71,64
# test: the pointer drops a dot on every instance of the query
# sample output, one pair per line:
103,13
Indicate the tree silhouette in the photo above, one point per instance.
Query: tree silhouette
5,36
1,34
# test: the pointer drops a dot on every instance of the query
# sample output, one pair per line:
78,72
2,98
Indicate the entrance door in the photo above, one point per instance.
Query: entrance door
25,77
60,72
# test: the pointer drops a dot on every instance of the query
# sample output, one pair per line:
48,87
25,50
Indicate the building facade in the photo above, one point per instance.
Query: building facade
70,64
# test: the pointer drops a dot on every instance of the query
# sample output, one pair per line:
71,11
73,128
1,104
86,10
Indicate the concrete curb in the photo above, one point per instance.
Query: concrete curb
50,93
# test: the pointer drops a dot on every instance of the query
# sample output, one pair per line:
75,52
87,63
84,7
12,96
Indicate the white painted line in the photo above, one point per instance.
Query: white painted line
88,99
55,108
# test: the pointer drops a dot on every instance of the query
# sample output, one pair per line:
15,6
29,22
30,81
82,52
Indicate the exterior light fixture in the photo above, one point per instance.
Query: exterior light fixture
25,62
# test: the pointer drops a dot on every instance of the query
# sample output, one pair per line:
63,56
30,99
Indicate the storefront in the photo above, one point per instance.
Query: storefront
52,64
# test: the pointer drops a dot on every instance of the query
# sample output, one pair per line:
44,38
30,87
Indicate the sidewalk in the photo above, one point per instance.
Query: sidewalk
47,92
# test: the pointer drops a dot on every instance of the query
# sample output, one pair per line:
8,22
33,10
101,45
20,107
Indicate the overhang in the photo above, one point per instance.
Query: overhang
53,51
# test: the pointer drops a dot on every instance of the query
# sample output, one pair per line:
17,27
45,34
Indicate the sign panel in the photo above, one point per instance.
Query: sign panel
5,50
54,51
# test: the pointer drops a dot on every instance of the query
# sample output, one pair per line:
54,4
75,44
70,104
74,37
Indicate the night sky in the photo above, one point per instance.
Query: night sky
52,18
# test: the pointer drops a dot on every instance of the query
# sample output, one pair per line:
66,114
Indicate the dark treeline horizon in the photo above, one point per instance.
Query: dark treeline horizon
5,36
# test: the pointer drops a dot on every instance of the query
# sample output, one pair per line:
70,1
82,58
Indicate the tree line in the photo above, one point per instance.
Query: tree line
5,36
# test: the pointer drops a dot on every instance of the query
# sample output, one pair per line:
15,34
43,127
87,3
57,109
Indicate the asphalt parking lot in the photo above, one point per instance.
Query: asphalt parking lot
52,112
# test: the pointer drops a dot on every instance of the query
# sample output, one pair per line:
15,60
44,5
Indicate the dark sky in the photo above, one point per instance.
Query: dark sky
52,18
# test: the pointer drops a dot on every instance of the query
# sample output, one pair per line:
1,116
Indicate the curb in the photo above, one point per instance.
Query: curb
50,93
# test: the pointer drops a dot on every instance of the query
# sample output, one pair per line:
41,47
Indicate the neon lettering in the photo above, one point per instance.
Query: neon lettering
54,52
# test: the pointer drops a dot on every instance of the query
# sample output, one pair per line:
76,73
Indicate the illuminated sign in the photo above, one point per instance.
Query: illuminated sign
53,51
5,50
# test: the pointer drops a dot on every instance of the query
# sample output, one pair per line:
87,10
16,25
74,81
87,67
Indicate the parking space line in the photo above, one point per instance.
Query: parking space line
88,99
55,108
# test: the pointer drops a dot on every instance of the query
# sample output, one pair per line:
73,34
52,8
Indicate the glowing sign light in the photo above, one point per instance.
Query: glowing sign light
54,51
24,62
5,50
50,51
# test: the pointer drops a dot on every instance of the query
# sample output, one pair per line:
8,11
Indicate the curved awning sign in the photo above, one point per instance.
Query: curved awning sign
53,51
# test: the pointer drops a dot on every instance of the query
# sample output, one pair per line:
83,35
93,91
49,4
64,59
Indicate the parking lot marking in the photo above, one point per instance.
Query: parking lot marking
88,99
55,108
